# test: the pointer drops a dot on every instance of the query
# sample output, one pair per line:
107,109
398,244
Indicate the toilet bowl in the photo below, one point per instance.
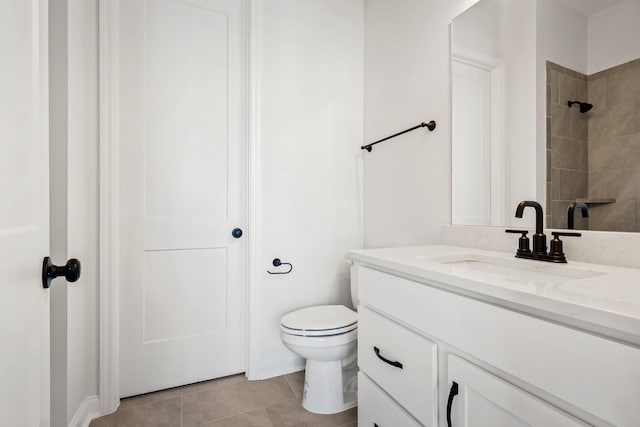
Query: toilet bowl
326,336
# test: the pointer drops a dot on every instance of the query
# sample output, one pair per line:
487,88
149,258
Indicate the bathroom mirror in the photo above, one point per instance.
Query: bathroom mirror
546,106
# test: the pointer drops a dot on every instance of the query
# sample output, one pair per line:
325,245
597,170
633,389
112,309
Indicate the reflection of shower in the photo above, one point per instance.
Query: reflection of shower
584,106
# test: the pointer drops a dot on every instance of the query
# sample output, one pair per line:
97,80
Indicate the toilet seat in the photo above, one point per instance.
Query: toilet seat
319,321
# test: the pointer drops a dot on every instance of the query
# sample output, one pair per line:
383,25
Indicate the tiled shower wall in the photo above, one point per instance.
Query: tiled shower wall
614,147
567,144
595,155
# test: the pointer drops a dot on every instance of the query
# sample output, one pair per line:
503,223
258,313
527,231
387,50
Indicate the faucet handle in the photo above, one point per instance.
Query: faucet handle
556,251
565,233
523,241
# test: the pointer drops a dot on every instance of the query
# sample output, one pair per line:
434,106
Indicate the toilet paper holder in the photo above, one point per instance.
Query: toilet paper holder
277,263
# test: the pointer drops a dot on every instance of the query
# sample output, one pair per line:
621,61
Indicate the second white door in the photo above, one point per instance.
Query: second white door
182,138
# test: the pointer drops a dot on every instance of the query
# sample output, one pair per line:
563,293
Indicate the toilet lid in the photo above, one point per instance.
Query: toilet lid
321,320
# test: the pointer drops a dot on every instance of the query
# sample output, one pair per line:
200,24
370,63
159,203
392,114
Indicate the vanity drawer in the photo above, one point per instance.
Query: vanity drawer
375,408
403,363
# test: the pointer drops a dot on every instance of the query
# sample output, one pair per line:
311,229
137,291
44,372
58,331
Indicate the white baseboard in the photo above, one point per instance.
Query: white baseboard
87,411
274,369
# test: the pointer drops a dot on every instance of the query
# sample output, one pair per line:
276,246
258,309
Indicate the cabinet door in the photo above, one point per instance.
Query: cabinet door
483,399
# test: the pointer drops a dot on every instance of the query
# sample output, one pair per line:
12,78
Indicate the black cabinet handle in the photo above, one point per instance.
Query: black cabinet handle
71,271
452,393
376,350
236,233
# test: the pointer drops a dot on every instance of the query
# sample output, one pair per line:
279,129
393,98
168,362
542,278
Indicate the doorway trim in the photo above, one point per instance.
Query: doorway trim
497,71
109,184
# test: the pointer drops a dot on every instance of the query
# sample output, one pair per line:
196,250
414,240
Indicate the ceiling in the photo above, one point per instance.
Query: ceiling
588,7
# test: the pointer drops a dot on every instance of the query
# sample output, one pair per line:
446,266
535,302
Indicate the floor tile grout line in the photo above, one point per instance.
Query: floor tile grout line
178,393
218,387
290,386
250,410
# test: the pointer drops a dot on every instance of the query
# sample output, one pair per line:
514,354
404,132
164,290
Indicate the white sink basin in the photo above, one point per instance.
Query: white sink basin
511,269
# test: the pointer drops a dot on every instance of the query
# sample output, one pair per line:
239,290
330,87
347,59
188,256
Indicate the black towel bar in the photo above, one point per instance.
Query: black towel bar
431,126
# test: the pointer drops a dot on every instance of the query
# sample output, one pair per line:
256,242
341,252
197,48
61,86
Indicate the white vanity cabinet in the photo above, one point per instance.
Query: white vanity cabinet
511,368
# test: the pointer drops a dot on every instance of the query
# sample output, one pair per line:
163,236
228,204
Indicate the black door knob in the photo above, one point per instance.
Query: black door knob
237,233
71,271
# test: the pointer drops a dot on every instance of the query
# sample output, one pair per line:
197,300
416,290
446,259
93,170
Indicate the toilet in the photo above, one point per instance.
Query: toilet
326,336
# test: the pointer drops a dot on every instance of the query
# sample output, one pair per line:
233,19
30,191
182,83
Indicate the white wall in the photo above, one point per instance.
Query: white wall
619,26
407,182
562,37
310,90
407,80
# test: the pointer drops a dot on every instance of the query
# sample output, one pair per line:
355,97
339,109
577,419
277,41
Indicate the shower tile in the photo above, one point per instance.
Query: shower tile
560,121
555,66
567,154
574,74
552,81
596,185
608,71
559,214
619,152
579,125
572,89
599,155
597,93
618,216
623,86
612,121
569,184
621,183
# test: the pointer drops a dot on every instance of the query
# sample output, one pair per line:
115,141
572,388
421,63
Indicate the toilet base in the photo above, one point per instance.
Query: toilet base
329,387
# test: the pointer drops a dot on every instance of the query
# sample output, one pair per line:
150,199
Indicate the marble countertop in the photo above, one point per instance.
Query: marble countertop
598,298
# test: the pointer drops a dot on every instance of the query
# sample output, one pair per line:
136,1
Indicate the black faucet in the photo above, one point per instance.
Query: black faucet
571,213
540,239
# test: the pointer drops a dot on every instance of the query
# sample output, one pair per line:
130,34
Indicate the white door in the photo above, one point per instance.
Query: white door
182,103
485,400
24,214
471,145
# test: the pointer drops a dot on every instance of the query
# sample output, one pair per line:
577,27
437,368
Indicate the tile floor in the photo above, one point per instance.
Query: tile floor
225,402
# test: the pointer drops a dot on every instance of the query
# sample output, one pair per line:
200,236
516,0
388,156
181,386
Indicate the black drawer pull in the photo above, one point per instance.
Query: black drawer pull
376,350
453,392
